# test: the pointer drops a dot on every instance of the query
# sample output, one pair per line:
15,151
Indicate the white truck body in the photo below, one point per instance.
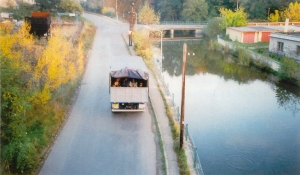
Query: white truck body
125,98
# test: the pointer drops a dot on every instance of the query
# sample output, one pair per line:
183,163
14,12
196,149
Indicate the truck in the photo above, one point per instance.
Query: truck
129,90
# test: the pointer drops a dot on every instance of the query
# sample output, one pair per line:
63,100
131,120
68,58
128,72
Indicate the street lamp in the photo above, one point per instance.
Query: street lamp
161,54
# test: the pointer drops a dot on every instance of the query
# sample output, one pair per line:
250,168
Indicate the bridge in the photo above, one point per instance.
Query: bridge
195,29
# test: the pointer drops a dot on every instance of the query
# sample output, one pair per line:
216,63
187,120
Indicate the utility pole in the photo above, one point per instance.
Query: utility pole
117,9
183,95
131,24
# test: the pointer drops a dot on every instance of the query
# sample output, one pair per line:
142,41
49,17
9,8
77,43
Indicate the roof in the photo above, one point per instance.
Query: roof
130,73
293,36
265,28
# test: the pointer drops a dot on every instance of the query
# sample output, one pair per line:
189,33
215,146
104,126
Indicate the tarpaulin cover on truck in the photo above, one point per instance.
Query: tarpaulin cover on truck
130,73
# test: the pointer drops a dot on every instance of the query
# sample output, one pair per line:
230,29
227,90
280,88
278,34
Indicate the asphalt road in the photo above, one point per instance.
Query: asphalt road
94,140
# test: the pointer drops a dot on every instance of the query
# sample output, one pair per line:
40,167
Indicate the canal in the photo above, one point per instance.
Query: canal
241,119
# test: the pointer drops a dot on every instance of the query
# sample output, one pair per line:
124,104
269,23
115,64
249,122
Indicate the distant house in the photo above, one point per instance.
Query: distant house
254,34
28,1
14,3
8,3
285,44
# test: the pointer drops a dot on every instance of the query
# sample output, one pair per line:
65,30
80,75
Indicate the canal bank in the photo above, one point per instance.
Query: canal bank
275,65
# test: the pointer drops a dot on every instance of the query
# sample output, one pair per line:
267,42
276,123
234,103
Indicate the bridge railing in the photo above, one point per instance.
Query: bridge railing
183,23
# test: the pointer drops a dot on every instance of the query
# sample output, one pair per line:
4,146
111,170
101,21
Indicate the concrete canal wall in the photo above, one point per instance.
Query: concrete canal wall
272,63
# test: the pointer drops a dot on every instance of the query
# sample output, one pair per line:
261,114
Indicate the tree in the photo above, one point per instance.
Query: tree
195,10
259,10
70,6
233,19
292,12
57,65
169,10
47,5
213,28
147,15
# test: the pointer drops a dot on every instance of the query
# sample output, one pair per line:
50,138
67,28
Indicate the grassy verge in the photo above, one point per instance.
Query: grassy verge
181,157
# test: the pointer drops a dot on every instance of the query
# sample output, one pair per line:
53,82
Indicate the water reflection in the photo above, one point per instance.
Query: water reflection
215,62
288,100
241,120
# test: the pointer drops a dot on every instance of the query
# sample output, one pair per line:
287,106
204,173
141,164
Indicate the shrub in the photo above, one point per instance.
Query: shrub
290,71
142,45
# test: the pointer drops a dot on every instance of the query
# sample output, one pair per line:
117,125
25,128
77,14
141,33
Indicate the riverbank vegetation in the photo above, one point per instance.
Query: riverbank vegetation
289,70
38,82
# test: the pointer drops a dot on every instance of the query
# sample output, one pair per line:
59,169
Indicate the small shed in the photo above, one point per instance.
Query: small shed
285,44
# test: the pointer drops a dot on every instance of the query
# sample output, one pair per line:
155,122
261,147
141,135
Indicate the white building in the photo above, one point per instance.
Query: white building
285,44
14,3
28,1
8,3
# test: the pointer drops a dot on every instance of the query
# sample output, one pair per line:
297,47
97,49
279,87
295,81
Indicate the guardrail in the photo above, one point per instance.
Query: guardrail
182,23
196,160
188,137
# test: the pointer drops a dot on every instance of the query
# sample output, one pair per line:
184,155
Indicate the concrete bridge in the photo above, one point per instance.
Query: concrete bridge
195,29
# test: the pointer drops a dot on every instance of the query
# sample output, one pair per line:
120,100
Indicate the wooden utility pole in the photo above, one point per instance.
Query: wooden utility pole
183,95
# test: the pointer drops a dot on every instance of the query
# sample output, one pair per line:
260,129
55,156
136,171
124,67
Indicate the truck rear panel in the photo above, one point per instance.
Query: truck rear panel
128,99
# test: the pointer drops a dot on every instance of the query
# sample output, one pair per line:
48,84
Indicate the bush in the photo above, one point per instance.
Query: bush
213,28
142,45
109,12
275,57
290,71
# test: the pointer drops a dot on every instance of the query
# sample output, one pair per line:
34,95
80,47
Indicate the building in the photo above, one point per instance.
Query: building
285,44
258,33
14,3
8,3
28,1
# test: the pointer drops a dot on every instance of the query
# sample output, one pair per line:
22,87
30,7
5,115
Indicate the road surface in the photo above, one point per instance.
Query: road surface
94,140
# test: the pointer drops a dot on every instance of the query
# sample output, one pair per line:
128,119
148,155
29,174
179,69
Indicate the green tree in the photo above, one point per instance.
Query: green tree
195,10
213,28
215,5
292,12
169,10
47,5
233,19
70,6
147,15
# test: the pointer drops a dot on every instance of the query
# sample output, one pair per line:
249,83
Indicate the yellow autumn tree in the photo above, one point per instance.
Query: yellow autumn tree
274,17
15,44
233,18
147,15
292,12
56,66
